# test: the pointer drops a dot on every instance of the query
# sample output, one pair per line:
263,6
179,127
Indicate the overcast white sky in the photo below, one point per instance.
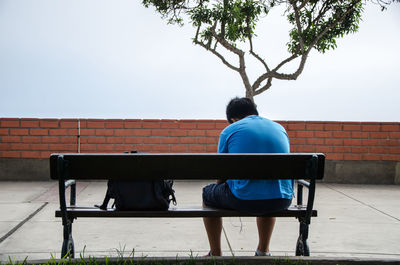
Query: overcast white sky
117,59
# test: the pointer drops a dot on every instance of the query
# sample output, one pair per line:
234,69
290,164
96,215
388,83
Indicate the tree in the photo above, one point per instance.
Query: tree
221,25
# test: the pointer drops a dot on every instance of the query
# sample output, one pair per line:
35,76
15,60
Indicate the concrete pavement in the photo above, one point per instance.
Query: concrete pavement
360,221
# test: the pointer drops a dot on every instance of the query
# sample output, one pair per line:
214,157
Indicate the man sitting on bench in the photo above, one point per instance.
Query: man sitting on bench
248,133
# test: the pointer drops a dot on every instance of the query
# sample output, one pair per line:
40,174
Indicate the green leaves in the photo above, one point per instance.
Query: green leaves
169,9
319,23
234,20
315,24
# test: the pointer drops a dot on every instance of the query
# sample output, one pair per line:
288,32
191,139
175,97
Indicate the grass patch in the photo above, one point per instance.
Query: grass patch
130,259
157,261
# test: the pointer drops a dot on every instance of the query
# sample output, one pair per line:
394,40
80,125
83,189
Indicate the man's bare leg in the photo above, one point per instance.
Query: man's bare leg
213,227
265,227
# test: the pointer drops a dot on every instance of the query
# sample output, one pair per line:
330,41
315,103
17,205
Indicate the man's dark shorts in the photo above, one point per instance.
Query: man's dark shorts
220,196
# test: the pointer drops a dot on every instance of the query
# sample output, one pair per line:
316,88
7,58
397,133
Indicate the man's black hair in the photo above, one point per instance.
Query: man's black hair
239,108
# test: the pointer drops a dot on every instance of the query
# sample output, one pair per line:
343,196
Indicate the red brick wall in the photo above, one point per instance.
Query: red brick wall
38,138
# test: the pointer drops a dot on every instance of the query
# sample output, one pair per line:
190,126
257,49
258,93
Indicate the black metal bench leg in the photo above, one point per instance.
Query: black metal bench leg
302,248
68,242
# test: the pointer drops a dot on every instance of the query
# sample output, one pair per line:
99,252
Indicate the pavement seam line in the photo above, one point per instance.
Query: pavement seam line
363,203
15,228
41,194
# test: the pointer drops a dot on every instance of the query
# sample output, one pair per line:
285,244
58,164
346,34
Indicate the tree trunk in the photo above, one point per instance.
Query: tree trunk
245,78
250,95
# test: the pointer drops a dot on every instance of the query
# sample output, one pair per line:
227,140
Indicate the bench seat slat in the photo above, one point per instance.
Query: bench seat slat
75,212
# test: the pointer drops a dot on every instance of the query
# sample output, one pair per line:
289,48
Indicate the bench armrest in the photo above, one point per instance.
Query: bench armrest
72,184
311,192
303,183
300,184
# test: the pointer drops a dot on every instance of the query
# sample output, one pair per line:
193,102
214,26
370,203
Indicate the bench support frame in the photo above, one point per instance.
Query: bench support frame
302,248
65,181
68,247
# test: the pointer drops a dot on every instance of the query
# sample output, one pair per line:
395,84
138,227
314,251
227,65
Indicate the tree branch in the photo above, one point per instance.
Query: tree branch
299,29
296,74
321,13
197,33
256,55
226,44
264,88
220,56
273,73
303,4
292,57
223,19
260,59
242,66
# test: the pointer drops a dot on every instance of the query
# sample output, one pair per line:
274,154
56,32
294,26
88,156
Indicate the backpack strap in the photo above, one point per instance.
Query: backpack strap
173,198
171,191
103,206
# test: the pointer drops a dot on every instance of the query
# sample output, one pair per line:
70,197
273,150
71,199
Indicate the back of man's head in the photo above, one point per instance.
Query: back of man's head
239,108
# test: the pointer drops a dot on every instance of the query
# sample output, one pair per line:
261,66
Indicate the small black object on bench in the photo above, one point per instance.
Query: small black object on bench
67,168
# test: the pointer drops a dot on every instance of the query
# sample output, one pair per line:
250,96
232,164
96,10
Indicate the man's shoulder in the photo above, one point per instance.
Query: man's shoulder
258,120
252,122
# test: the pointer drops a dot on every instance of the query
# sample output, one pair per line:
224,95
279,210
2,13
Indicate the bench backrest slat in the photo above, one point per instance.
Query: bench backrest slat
187,166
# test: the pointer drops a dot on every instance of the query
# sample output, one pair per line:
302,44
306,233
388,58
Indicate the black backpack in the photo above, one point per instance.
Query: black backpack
139,195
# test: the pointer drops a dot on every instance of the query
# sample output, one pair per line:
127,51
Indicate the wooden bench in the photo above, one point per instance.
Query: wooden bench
67,168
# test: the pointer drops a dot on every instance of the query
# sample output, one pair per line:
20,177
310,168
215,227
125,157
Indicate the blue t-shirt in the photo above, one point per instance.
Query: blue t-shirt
254,134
